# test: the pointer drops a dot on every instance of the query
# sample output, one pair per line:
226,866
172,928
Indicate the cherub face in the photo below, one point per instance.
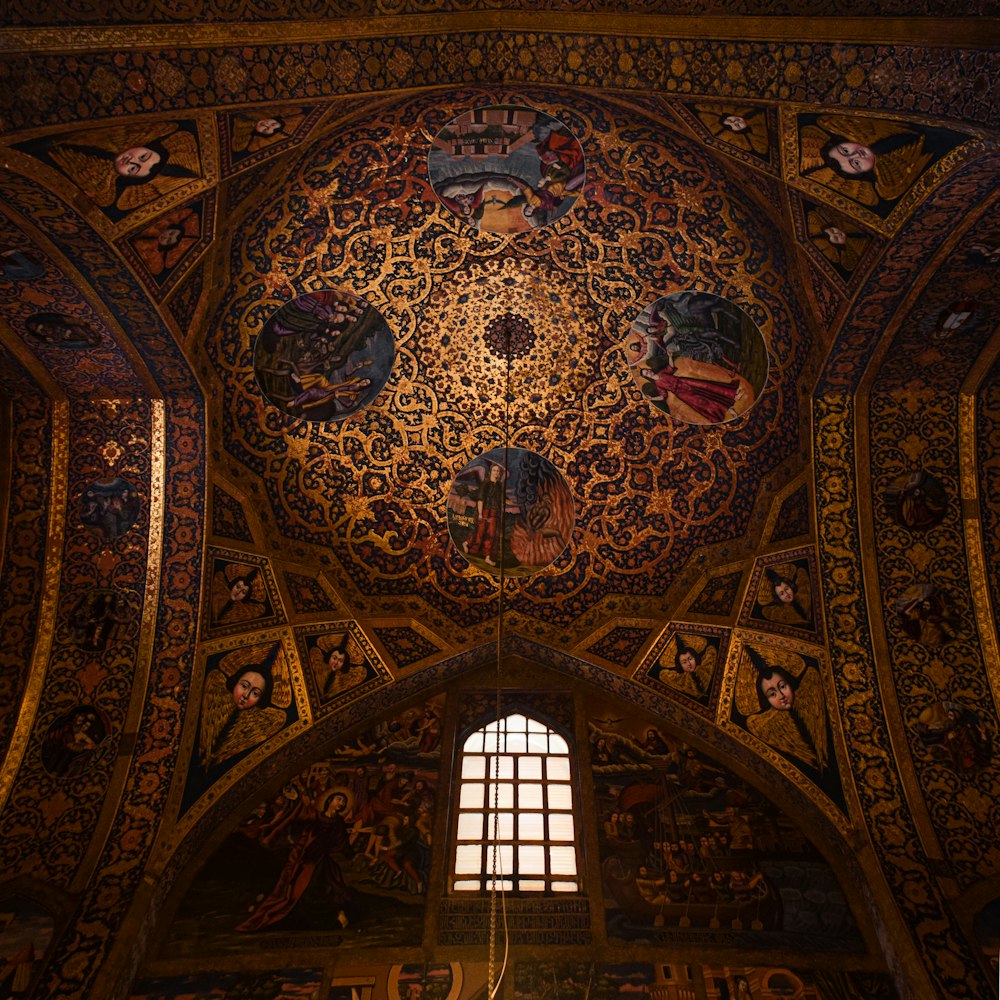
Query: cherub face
136,161
267,126
852,157
248,690
687,661
170,237
784,592
239,590
778,692
836,236
735,123
336,659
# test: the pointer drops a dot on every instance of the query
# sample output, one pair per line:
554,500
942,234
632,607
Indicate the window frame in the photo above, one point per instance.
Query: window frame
518,884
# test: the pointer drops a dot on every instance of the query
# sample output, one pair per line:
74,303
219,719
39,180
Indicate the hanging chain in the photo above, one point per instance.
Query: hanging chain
492,984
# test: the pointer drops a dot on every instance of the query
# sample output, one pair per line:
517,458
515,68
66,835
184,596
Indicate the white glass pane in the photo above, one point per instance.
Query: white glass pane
474,742
505,860
563,860
465,884
468,859
538,742
557,744
531,826
492,742
504,799
560,797
564,886
504,827
534,726
470,826
504,884
473,766
472,796
502,767
517,743
529,767
561,826
557,768
530,885
529,795
531,859
517,723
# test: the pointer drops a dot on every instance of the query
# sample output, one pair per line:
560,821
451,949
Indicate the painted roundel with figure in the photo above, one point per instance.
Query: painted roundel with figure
698,357
505,168
324,356
517,510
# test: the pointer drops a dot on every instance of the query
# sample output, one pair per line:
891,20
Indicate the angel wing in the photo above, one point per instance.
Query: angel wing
216,708
896,171
252,727
858,128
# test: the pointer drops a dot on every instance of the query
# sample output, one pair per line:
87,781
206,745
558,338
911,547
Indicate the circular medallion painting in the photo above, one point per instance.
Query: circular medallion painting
520,512
917,500
698,357
324,355
110,505
505,168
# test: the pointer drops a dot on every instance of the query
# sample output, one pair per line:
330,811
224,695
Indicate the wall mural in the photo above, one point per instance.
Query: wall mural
20,264
779,983
916,500
511,508
779,697
783,598
324,355
283,984
165,250
61,330
539,980
835,241
868,167
505,168
111,505
925,614
740,130
100,618
685,662
955,735
26,928
340,665
71,741
698,357
125,170
249,136
247,699
240,593
342,852
689,852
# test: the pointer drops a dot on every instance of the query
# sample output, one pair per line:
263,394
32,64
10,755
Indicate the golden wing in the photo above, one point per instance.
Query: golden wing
94,176
243,126
777,730
896,171
857,128
253,727
216,708
811,707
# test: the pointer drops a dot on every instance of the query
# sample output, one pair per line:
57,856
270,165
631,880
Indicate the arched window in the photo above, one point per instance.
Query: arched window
524,768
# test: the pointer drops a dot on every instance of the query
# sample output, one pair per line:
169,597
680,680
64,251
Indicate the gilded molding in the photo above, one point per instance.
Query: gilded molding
972,519
953,32
58,464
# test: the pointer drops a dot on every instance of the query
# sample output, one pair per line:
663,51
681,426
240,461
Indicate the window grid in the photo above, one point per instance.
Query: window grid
523,767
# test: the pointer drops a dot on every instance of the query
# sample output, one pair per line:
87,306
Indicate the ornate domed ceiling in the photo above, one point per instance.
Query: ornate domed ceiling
261,350
364,497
